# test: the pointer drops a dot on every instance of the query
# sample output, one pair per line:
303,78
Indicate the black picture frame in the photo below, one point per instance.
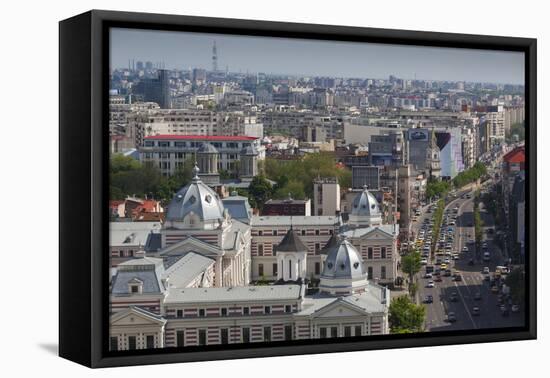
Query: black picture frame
83,166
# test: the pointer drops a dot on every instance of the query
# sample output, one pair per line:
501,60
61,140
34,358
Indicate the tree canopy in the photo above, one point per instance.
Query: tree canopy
129,177
405,316
296,176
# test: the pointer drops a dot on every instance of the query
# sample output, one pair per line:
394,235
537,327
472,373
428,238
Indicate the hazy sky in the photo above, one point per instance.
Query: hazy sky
311,57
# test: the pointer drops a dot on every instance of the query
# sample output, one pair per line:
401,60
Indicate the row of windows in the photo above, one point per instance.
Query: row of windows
182,155
262,246
224,311
223,335
348,331
275,269
181,144
132,342
383,253
303,232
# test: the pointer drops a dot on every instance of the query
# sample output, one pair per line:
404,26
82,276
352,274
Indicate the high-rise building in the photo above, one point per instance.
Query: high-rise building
156,89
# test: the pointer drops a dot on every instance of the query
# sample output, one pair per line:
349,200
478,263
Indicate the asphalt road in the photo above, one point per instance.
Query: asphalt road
489,315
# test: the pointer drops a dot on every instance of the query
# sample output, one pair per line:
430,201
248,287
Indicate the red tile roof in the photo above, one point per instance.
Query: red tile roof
202,137
517,155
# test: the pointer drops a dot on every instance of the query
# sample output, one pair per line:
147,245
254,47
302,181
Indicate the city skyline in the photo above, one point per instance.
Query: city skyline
330,58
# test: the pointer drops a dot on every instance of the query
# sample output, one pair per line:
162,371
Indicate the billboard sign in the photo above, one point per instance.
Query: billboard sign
419,135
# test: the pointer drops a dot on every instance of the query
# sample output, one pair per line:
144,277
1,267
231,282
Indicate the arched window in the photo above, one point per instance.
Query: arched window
289,269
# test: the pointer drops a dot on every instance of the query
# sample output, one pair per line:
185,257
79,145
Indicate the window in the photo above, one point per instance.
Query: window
260,269
180,339
201,312
135,289
202,337
275,272
267,310
289,269
383,273
224,335
131,342
114,343
246,310
150,341
288,332
267,334
383,252
369,253
316,232
323,333
357,330
260,249
317,268
288,308
303,232
260,233
369,273
347,331
224,311
179,313
274,232
317,248
333,331
246,335
331,232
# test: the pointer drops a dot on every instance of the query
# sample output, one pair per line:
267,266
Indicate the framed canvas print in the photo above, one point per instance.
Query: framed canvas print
235,188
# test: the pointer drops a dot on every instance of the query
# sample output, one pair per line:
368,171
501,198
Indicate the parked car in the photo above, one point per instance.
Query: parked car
428,299
454,296
430,284
515,308
486,270
428,275
451,317
475,311
458,277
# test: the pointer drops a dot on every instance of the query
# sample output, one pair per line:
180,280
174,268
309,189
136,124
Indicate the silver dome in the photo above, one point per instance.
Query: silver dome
343,262
365,210
207,148
198,198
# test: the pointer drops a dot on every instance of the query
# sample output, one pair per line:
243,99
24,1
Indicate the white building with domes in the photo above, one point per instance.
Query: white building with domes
196,289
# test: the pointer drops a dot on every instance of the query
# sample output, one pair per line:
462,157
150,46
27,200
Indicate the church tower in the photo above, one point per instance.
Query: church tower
207,156
249,162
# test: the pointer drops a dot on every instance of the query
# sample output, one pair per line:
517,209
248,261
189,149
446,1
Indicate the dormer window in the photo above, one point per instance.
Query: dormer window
135,286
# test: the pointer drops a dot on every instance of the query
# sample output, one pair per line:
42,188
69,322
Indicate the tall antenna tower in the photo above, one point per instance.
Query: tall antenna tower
214,58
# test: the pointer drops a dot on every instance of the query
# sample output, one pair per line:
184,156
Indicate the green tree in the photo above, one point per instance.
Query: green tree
516,281
405,316
259,191
411,264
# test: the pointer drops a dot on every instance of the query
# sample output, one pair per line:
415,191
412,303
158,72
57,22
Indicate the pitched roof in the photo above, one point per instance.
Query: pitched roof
291,243
517,155
331,243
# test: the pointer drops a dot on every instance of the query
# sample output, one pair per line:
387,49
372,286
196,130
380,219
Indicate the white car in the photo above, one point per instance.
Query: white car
486,270
424,261
430,284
